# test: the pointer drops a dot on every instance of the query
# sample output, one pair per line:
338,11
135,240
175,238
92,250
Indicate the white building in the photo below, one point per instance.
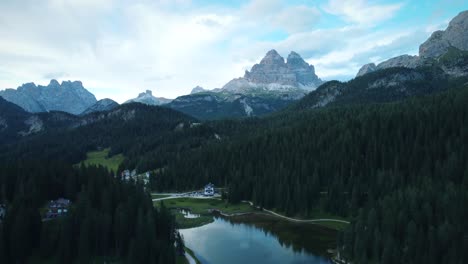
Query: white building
209,190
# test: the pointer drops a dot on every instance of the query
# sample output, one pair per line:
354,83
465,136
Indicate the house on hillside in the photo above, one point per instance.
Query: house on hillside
57,208
209,190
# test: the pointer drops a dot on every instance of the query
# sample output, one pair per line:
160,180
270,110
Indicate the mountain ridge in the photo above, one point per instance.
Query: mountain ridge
68,96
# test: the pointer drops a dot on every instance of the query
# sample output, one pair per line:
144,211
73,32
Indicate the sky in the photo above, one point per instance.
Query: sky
119,48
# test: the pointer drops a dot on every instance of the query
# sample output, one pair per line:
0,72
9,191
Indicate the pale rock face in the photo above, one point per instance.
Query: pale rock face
148,99
367,68
439,43
70,97
407,61
273,73
197,89
456,35
34,124
101,105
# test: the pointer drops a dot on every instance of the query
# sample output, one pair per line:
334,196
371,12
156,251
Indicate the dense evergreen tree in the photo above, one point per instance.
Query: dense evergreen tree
105,214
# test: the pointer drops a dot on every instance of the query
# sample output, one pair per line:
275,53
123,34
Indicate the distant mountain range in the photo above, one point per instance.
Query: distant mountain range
274,83
70,97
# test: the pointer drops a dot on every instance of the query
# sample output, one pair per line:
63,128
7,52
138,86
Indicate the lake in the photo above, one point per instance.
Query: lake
259,239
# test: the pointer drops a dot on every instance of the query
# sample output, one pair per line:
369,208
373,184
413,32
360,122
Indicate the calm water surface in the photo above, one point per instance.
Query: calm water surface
258,240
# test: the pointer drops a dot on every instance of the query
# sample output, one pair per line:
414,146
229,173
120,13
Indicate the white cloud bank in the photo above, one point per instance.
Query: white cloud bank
119,48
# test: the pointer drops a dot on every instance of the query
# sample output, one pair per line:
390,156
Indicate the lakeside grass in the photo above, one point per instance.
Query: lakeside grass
201,207
102,158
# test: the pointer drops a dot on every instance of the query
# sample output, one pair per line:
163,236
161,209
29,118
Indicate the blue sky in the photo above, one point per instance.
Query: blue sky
119,48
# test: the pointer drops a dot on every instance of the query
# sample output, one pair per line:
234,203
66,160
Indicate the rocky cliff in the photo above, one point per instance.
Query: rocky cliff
70,97
274,73
453,40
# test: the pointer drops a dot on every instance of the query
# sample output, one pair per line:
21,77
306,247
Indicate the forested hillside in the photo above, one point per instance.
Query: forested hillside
108,218
398,170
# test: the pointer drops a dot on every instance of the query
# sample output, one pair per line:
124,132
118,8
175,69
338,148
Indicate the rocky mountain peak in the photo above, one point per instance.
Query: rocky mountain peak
274,71
54,83
197,89
370,67
272,57
456,35
294,57
147,93
148,98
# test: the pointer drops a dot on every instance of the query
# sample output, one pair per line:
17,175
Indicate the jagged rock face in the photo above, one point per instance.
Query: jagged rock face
456,35
370,67
198,89
407,61
148,99
101,105
452,40
272,69
70,97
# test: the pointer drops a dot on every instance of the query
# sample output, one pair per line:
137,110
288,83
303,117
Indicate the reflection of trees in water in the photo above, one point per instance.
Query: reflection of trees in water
299,237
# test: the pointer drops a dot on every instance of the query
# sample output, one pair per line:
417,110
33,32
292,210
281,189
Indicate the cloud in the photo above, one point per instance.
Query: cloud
297,18
361,11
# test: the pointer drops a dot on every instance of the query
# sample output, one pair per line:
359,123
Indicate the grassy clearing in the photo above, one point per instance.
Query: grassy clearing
201,207
101,158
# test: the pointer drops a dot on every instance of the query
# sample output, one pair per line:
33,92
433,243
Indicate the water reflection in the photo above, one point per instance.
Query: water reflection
259,239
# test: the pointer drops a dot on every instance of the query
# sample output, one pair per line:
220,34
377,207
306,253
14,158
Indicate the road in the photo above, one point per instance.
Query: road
299,220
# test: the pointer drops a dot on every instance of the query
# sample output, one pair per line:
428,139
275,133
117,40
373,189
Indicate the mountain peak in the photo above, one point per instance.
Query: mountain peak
197,89
272,57
54,82
148,98
294,55
454,36
296,61
146,93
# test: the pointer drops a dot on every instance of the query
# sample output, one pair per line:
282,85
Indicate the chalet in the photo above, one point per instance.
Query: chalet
57,208
209,190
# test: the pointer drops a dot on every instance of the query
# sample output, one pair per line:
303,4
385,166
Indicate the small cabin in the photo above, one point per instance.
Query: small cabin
209,190
57,208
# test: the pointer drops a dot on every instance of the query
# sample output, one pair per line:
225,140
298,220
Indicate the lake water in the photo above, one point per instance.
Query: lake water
259,239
